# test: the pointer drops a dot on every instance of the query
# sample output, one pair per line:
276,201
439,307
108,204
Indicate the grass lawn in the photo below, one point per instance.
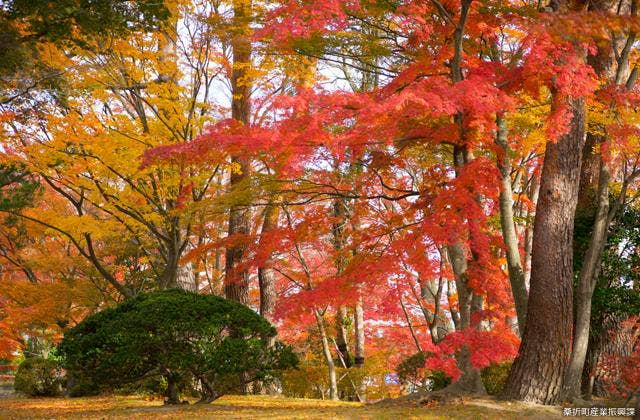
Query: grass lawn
256,407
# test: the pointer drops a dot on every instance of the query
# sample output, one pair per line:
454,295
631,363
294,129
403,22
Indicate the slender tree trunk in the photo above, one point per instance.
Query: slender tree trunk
516,273
359,333
342,335
470,382
208,393
339,240
538,371
236,279
326,351
586,284
534,190
410,325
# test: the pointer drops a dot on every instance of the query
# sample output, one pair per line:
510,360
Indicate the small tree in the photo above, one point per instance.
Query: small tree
177,335
39,377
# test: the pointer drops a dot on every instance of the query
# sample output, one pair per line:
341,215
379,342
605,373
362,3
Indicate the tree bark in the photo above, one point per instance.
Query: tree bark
341,335
236,279
410,326
539,368
593,204
514,265
470,382
339,241
534,190
586,284
267,284
266,275
359,333
616,339
173,392
326,351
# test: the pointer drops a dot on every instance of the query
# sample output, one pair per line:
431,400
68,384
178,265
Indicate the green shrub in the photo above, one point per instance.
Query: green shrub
413,375
179,336
82,387
411,371
437,379
38,377
495,377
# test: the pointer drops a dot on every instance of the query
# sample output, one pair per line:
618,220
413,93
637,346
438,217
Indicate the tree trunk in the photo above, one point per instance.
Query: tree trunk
516,273
616,339
173,392
341,335
538,371
593,205
586,285
266,275
267,284
339,240
359,351
208,393
534,190
359,333
470,382
326,351
237,280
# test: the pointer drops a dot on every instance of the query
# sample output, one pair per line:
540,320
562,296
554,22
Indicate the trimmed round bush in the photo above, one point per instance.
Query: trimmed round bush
38,377
180,337
495,377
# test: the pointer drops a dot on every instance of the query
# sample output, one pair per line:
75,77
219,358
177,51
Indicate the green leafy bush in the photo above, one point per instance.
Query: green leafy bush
413,375
495,377
38,377
179,336
81,387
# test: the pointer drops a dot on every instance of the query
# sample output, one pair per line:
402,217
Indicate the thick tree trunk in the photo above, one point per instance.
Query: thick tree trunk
326,351
538,371
267,284
175,275
169,274
266,275
236,279
593,204
173,392
514,265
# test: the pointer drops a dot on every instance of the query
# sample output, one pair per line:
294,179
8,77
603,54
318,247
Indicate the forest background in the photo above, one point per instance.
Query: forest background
453,180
